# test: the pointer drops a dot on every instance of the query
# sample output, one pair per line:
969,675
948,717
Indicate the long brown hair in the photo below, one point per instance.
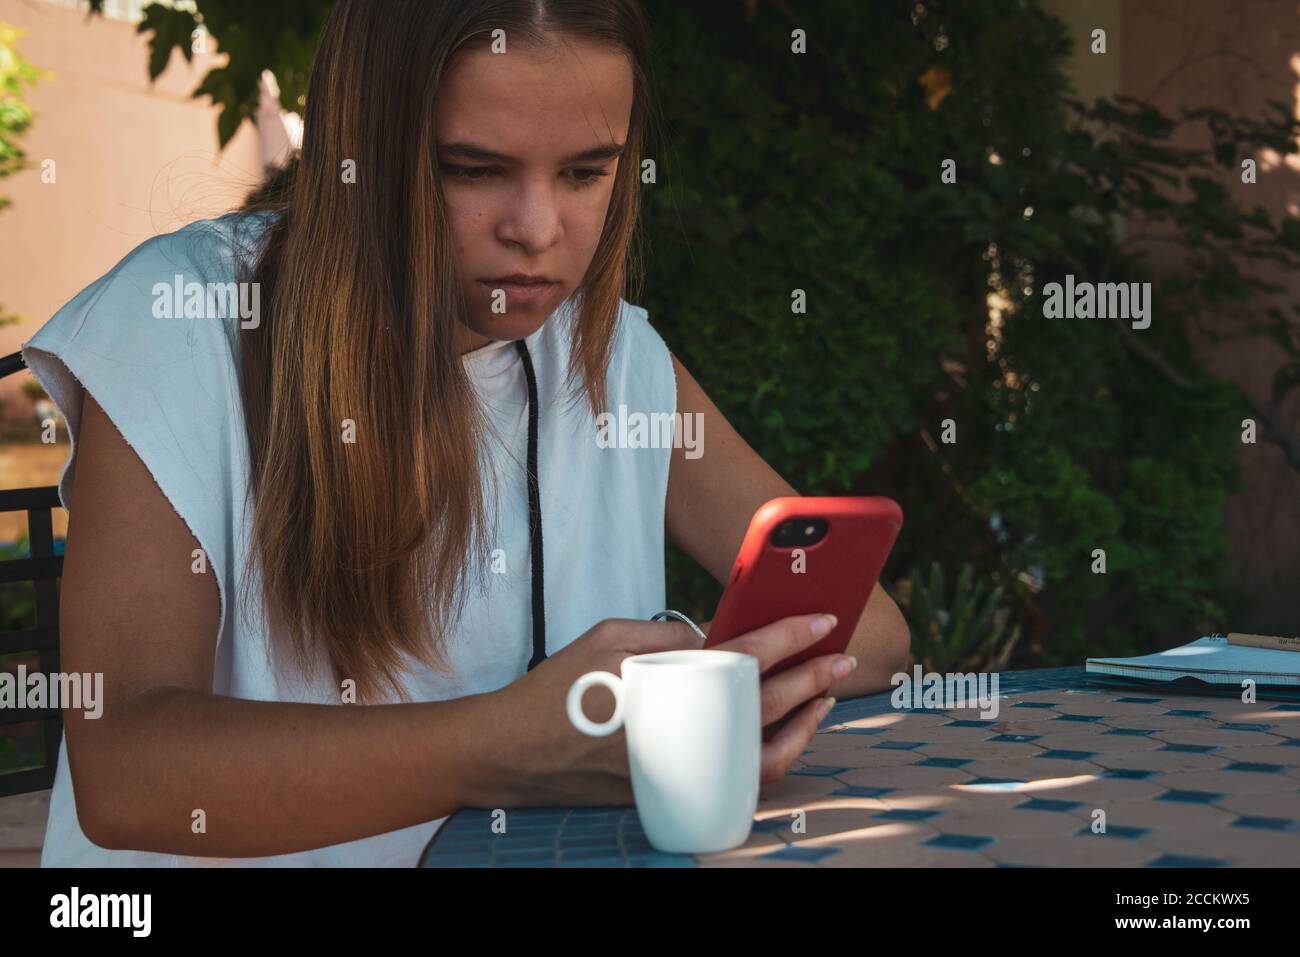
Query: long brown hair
365,546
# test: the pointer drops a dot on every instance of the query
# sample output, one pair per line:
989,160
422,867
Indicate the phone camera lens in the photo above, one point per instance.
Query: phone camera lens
799,533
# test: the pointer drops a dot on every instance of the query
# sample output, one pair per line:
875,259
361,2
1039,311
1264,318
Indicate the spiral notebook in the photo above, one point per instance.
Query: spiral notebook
1211,660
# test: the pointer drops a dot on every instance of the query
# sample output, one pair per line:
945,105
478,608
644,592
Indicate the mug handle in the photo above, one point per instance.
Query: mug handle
580,721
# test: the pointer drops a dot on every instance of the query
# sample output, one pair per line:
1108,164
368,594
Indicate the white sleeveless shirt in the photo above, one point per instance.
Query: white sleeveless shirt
171,387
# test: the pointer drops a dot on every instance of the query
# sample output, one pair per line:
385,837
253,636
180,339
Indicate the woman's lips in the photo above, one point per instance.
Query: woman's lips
521,292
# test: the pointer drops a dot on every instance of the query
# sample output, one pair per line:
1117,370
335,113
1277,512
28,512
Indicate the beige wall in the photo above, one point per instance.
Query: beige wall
1236,56
132,161
1093,75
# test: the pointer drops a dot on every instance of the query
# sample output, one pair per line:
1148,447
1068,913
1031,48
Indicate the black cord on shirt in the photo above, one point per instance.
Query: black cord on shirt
534,514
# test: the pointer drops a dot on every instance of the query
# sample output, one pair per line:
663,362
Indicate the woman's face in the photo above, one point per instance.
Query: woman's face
528,144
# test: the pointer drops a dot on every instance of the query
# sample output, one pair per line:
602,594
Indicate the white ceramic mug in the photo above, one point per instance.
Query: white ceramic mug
694,743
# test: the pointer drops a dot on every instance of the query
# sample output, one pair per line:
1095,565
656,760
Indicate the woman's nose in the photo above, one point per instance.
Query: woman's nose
533,220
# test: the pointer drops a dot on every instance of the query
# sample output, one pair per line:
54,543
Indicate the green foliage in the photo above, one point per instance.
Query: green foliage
280,37
17,599
21,745
15,115
966,629
821,171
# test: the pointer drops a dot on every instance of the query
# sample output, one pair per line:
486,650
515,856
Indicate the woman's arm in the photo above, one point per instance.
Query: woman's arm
268,777
279,777
711,499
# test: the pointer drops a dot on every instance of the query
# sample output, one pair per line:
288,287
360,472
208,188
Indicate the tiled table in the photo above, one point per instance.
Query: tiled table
1181,780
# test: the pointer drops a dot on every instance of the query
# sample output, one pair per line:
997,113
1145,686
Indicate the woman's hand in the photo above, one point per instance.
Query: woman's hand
792,700
543,759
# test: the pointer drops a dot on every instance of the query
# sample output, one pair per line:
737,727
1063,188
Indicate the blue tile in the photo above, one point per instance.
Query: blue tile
1182,860
594,826
1048,804
1256,766
905,814
1286,707
817,771
1130,732
660,859
458,860
1015,738
529,823
1035,704
806,855
1267,823
1114,830
1190,797
590,828
578,842
859,731
967,723
1186,713
589,862
899,745
772,825
533,814
526,844
942,763
526,858
590,853
1243,726
961,842
1290,743
1190,748
1128,774
1140,700
859,791
1084,718
1066,755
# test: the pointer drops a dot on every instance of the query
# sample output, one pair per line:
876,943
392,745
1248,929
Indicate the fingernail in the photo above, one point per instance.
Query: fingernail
843,666
823,625
825,709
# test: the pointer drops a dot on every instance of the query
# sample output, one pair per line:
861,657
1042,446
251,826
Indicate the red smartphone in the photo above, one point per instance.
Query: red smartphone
806,555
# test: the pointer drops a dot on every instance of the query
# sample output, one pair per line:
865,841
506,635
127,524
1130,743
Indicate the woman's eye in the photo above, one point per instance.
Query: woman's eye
471,174
580,176
584,176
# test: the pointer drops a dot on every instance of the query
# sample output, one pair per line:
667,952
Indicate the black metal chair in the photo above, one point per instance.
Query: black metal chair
43,569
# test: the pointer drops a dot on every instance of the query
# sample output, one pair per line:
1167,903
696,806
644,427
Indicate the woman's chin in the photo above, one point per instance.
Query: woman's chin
517,325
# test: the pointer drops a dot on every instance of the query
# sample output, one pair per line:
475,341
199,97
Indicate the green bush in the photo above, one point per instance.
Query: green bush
821,171
963,629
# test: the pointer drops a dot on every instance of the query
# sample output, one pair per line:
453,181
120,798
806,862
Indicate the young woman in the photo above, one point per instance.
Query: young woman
320,500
